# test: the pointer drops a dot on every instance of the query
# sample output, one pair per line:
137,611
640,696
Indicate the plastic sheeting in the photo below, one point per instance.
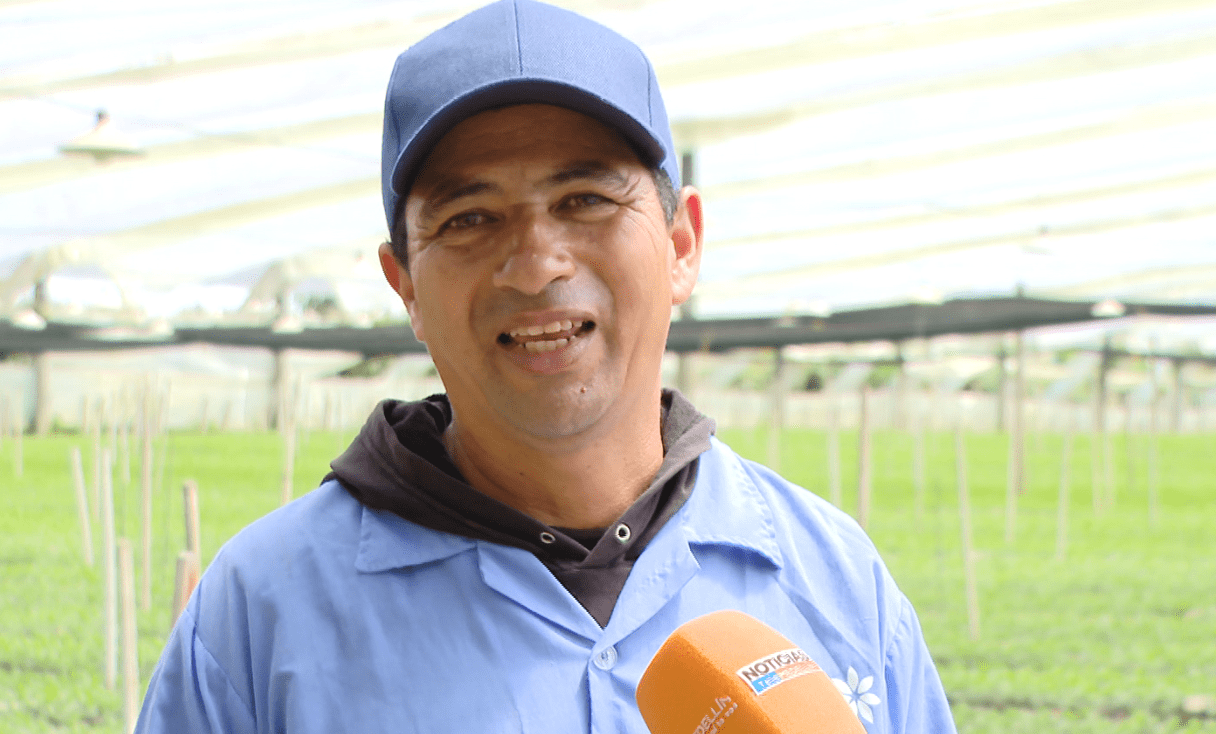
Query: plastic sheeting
851,153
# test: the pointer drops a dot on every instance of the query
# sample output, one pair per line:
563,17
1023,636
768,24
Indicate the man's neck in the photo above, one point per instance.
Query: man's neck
573,482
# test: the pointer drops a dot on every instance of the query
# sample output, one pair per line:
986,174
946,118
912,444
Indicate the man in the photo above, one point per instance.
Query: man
509,556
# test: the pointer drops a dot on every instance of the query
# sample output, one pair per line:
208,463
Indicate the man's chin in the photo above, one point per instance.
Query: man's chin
562,413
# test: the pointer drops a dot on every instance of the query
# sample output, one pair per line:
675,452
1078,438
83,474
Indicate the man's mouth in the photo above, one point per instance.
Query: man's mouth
547,337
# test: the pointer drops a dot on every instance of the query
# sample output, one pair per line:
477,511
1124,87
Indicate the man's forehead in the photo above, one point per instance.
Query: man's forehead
555,143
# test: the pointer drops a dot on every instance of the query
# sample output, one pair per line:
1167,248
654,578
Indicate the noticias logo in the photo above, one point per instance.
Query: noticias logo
775,669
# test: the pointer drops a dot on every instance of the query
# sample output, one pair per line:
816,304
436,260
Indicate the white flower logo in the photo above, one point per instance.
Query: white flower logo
857,694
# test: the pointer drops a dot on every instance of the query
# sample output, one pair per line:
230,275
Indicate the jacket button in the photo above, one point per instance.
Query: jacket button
606,659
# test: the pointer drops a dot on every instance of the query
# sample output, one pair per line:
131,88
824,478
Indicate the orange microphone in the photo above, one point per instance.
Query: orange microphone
729,673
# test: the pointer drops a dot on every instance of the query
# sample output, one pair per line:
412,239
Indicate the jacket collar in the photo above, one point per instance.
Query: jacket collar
726,509
382,546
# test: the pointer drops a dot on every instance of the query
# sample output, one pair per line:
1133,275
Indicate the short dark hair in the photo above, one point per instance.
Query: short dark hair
662,182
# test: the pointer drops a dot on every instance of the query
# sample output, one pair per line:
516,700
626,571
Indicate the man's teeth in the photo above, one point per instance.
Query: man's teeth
524,335
545,346
552,328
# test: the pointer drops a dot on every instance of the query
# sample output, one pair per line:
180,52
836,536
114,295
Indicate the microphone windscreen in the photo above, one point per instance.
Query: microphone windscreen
729,673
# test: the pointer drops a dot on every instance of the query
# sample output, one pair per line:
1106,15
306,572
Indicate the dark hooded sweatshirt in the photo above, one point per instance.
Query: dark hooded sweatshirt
398,463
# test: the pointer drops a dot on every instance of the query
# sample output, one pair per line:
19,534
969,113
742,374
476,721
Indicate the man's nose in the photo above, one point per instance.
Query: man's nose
539,254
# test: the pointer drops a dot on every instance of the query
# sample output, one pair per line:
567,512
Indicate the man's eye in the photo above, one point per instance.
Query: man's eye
582,201
465,220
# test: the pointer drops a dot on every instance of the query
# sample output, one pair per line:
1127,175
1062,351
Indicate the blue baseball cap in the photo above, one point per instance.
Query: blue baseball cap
517,52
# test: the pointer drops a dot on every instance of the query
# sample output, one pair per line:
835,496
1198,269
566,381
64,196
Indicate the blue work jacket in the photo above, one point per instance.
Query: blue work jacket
326,616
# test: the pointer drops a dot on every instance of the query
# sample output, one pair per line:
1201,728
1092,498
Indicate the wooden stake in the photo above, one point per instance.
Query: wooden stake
1177,397
114,419
95,487
1154,486
82,506
1011,485
111,601
1101,446
190,509
130,650
834,452
145,488
863,462
103,416
125,461
1062,505
289,459
899,419
1002,389
776,411
186,580
1017,433
964,514
1129,446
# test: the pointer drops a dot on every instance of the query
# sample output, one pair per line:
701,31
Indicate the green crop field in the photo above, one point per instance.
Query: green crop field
1119,635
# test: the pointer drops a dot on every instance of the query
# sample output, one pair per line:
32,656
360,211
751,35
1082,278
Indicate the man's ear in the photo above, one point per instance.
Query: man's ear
398,277
687,239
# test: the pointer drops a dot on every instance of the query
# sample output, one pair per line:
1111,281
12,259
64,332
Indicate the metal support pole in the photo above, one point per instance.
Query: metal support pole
864,482
1105,489
684,375
1179,396
964,512
1019,413
40,423
901,390
1002,389
1017,441
278,387
776,412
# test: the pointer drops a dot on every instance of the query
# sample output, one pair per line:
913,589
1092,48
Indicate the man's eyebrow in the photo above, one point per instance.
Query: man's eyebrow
447,192
594,171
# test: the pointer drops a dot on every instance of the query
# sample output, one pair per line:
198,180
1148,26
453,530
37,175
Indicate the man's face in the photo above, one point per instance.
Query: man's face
542,270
